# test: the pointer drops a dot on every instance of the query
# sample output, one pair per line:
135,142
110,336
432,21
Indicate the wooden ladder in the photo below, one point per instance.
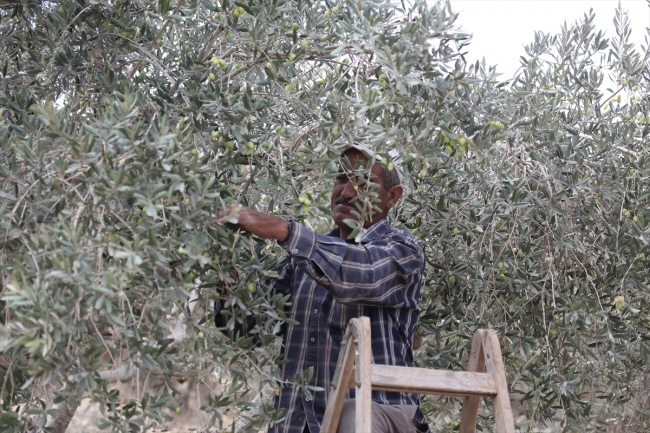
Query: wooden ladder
355,370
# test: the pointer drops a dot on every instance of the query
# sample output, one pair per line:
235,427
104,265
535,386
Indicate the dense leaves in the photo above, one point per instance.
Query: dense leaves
542,234
126,127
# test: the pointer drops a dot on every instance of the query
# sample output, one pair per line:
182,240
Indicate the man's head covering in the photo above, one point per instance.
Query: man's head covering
395,158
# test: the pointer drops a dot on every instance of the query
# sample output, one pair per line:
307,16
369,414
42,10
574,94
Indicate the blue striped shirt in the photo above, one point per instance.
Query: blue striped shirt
332,281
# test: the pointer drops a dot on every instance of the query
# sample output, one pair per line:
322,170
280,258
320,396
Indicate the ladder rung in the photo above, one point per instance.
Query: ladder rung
429,381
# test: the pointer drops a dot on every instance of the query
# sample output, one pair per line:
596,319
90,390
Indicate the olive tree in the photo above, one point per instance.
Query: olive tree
126,127
541,231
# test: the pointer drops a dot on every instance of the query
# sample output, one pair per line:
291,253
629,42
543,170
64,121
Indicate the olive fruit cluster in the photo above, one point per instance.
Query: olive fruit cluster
219,62
382,80
628,214
454,146
305,200
496,124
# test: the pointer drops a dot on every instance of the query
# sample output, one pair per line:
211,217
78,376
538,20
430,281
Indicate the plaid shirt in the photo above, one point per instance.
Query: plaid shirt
332,281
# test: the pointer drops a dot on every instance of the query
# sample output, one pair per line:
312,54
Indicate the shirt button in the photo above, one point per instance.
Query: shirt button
307,399
295,251
315,310
312,339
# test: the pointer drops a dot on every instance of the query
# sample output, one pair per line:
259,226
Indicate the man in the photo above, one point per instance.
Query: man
333,279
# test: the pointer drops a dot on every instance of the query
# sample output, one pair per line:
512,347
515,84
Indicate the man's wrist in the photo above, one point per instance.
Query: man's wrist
282,230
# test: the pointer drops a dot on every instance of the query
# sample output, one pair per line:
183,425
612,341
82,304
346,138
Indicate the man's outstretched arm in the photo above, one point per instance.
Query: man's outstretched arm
260,224
386,272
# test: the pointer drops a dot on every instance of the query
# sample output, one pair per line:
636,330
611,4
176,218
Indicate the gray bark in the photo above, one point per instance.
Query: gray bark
64,416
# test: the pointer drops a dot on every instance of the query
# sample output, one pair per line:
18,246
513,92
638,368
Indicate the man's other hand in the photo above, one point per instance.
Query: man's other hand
260,224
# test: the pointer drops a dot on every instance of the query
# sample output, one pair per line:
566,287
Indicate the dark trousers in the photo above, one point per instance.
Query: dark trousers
385,418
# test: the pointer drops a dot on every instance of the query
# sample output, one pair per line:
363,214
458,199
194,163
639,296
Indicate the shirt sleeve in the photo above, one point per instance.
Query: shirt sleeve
383,272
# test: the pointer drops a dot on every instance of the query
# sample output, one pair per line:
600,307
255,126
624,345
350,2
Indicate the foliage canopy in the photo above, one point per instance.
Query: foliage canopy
126,125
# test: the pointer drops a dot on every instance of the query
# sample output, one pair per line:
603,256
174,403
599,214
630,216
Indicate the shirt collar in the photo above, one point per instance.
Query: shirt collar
374,232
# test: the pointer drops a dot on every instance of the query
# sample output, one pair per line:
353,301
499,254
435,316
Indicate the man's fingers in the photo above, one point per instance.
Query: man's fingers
229,215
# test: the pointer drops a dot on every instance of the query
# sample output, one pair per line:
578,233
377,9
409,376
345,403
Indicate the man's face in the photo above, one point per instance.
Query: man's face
343,193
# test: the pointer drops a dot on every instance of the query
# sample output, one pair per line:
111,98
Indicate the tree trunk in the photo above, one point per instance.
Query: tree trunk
62,421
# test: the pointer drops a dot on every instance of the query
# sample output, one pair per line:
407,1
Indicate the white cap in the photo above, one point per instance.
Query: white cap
395,157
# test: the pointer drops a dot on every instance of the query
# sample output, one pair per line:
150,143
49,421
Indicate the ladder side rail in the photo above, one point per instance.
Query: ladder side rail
339,387
469,413
494,364
363,392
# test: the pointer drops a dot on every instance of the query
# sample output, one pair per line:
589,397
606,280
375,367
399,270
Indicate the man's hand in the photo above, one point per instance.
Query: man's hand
260,224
